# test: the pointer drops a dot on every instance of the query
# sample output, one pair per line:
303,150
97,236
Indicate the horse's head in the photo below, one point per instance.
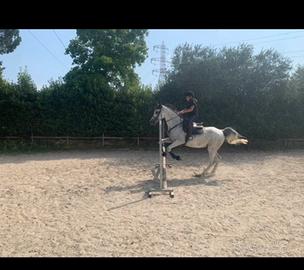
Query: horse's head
156,115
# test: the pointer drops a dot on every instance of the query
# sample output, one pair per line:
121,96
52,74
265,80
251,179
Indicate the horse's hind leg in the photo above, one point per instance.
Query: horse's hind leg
212,156
217,160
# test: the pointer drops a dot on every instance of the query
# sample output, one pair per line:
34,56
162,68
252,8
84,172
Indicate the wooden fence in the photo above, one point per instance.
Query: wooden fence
139,141
68,140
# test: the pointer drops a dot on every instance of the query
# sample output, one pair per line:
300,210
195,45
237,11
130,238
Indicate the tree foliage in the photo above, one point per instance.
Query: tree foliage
235,87
110,53
9,40
256,93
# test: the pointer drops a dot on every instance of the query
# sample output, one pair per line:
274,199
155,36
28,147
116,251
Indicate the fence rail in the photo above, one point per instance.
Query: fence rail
110,140
68,139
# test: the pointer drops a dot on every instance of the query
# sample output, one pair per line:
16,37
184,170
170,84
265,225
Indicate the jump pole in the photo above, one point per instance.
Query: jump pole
163,190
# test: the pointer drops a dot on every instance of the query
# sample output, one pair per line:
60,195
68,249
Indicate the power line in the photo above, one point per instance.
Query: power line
59,39
240,41
269,41
47,49
296,56
293,51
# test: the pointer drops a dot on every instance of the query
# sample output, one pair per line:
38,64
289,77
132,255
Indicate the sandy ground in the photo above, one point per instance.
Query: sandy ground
93,204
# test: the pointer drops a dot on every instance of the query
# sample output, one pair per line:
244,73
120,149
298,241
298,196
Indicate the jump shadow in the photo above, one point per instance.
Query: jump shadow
128,203
146,185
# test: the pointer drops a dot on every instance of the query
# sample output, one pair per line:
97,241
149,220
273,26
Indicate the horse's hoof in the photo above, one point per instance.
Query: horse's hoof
176,157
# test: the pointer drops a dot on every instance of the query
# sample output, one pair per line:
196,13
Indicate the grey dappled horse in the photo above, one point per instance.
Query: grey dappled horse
210,137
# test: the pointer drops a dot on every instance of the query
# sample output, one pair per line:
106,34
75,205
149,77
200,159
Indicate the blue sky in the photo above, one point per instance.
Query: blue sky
42,51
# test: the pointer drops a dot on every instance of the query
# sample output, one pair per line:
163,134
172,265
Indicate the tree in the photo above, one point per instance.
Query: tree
53,102
9,40
297,82
18,105
7,113
101,88
234,87
110,53
26,95
296,101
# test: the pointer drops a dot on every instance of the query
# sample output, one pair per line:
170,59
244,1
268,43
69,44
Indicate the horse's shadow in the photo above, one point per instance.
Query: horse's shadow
146,185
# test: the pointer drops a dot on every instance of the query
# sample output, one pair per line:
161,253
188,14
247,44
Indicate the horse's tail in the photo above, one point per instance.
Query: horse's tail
233,137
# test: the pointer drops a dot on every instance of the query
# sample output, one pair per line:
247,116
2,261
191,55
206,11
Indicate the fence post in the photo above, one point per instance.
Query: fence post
102,139
137,140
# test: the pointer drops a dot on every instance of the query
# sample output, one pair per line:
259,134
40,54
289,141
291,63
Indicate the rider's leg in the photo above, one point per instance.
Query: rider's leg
186,127
190,127
185,124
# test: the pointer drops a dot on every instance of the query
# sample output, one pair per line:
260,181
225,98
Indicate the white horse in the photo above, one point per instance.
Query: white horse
210,137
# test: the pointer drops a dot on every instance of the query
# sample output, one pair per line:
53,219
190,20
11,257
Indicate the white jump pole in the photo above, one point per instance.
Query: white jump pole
162,158
162,166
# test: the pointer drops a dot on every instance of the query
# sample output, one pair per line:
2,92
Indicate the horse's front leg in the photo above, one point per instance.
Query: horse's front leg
173,145
166,140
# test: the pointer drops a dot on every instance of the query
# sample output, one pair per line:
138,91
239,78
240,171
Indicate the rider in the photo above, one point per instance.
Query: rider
189,114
